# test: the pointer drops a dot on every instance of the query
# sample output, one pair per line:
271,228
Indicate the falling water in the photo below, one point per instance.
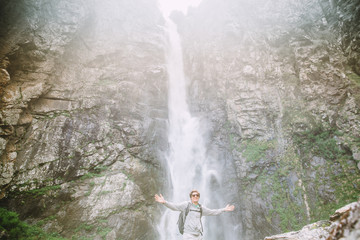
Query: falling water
189,166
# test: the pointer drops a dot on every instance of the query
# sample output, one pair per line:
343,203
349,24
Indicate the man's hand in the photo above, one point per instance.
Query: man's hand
160,198
229,208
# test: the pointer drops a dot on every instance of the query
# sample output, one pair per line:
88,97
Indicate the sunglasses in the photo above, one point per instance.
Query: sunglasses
195,195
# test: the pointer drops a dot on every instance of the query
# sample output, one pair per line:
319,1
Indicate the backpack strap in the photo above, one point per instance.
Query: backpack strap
200,218
187,210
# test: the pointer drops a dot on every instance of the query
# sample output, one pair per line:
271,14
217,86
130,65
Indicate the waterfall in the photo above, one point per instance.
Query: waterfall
188,164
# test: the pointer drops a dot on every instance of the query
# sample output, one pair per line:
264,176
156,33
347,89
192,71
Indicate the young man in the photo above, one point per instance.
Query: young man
193,226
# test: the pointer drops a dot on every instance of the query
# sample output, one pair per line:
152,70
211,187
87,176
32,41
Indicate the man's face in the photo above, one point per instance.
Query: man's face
195,197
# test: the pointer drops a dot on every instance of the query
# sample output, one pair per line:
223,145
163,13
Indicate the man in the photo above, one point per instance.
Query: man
193,226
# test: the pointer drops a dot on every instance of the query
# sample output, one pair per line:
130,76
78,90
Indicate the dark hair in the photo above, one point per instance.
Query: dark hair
193,192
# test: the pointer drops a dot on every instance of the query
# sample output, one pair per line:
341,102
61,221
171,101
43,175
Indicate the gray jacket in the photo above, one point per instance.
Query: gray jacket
193,222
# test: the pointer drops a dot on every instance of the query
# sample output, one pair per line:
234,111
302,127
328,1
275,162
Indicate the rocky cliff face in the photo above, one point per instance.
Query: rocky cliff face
84,110
83,115
277,83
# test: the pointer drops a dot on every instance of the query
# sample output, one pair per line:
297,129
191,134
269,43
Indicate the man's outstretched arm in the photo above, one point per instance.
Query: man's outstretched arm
172,206
214,212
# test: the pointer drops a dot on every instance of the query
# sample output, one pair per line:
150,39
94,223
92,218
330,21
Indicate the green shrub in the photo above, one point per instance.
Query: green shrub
320,142
43,191
103,232
13,228
354,78
91,175
255,150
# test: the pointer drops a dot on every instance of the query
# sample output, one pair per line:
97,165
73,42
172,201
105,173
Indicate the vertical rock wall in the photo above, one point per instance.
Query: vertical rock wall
276,82
83,115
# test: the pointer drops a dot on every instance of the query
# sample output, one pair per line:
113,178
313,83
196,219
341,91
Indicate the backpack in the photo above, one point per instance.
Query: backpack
182,218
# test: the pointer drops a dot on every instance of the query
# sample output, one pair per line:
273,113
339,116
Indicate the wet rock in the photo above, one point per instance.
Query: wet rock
4,77
315,231
344,224
81,97
2,144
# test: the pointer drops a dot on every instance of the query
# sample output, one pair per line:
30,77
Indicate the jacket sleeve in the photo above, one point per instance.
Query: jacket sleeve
212,212
176,206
